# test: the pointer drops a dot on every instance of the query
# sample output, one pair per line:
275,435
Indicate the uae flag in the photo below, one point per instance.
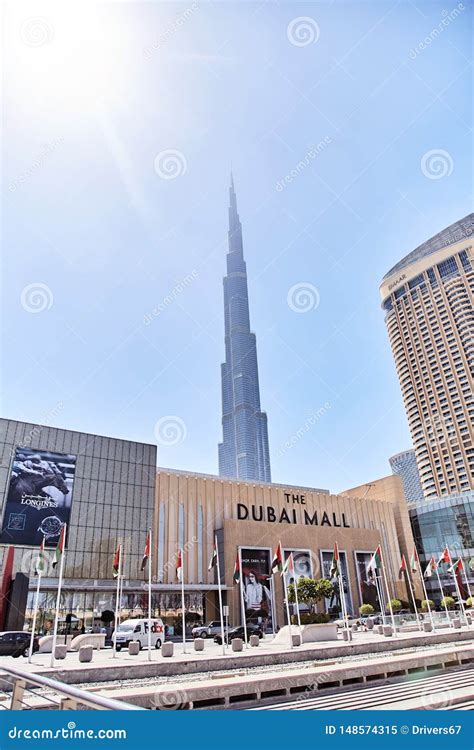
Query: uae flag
414,561
146,552
457,567
213,560
335,569
236,576
430,568
375,563
40,560
445,557
277,562
289,566
117,561
179,566
59,551
403,567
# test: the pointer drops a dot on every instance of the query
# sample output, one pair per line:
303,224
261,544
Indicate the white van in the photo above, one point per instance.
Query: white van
137,630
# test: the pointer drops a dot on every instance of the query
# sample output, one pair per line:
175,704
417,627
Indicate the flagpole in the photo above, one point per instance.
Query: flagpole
286,598
220,596
295,584
242,604
35,612
58,601
443,597
183,611
466,578
380,596
412,592
456,584
149,595
422,577
272,603
388,593
117,603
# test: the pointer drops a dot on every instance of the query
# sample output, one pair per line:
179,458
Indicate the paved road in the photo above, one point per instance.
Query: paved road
449,690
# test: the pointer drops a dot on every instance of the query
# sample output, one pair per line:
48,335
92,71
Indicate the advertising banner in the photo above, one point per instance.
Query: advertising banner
367,585
334,603
39,496
257,586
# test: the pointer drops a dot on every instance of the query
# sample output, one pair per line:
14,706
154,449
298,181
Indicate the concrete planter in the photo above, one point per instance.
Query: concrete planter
324,632
427,627
387,630
199,644
254,640
457,622
60,652
85,654
237,644
167,648
134,648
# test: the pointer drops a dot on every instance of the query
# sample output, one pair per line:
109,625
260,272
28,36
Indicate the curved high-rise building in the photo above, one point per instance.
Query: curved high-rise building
244,452
404,465
429,312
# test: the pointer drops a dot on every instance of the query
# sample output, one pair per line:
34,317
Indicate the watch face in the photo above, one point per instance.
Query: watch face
51,526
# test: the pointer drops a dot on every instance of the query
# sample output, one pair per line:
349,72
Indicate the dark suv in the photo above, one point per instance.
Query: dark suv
239,632
16,643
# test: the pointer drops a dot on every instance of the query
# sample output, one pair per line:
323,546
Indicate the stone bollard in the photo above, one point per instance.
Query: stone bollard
469,619
85,654
347,634
167,648
254,640
237,644
387,630
427,627
296,639
379,629
199,644
369,623
456,622
134,648
60,652
354,627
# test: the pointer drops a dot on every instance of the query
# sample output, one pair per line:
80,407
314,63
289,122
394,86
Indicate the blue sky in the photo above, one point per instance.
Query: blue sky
101,224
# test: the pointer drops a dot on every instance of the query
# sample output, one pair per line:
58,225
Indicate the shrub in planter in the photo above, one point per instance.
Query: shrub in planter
424,605
366,610
470,602
396,606
448,602
311,591
312,618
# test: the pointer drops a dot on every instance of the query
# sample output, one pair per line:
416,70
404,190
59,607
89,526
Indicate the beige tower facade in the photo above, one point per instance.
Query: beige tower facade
429,312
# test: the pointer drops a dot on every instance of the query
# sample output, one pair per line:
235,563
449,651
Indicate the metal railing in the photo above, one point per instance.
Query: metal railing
70,697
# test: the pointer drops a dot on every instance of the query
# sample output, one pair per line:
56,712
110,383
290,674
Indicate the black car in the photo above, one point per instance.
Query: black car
16,643
239,632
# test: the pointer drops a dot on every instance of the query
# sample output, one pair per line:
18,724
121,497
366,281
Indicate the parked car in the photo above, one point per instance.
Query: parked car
376,619
350,619
239,632
16,643
204,631
136,629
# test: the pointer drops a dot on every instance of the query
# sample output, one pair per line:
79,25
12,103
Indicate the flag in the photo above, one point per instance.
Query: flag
414,561
40,560
445,557
237,569
117,561
289,566
60,546
179,566
457,566
375,562
403,567
335,569
277,562
430,568
213,560
146,552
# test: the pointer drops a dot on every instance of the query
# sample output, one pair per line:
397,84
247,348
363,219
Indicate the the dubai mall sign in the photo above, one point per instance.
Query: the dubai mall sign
294,513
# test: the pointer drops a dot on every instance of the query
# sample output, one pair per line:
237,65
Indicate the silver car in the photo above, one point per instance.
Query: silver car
207,631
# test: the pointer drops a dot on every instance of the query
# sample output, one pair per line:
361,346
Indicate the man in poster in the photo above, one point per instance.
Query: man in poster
256,587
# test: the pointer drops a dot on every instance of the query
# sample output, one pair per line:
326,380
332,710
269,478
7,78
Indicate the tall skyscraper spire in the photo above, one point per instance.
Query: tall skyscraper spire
244,452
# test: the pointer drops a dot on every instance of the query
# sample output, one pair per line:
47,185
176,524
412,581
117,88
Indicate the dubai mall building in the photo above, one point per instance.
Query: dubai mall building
109,491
